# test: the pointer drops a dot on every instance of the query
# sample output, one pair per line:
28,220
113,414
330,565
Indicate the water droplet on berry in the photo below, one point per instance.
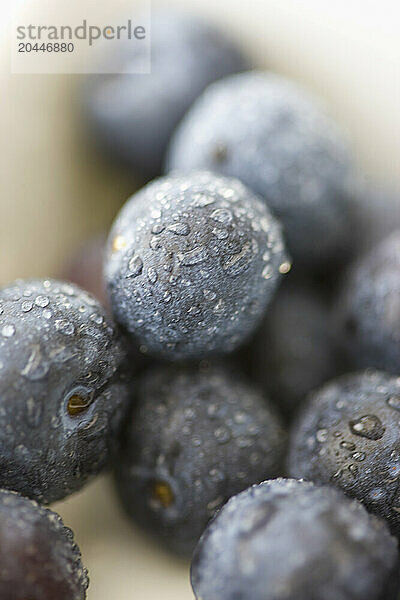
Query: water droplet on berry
285,267
8,331
157,228
26,306
135,266
322,435
394,402
152,275
237,263
222,434
193,257
267,272
353,469
222,215
42,301
368,426
64,327
179,228
348,445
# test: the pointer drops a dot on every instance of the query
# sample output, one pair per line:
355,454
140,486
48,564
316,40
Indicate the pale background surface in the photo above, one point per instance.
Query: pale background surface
54,193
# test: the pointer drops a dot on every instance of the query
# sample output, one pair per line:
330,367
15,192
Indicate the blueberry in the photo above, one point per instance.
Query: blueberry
196,438
266,131
348,435
63,392
291,540
294,350
133,116
39,558
368,309
378,215
192,263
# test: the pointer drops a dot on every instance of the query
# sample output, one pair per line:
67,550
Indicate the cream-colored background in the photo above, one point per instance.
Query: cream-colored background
54,192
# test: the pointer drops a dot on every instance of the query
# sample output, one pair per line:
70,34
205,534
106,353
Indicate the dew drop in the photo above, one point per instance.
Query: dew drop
222,215
179,228
285,267
42,301
201,200
135,266
358,456
394,402
152,275
193,257
322,435
368,426
68,290
96,318
8,331
222,435
267,272
237,263
214,504
348,445
189,413
155,243
26,306
240,417
212,410
216,475
353,469
157,228
220,234
64,327
244,442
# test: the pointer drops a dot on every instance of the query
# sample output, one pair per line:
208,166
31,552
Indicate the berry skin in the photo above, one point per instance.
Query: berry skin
192,263
294,350
291,540
63,392
368,310
348,435
134,116
378,215
265,130
38,556
196,438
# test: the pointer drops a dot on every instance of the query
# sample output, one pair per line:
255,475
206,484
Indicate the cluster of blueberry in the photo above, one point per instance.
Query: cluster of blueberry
260,176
